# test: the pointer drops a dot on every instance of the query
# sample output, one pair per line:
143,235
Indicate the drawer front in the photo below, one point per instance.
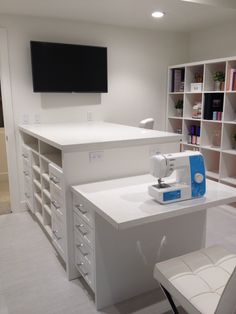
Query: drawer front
26,152
85,268
83,208
28,191
26,165
56,176
84,231
58,235
85,250
57,207
56,193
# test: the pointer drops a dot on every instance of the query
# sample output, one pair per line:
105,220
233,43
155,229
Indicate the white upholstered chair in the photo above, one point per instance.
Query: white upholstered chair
147,123
202,282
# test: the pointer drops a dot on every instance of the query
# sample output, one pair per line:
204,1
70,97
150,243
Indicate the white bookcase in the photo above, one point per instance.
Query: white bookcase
220,161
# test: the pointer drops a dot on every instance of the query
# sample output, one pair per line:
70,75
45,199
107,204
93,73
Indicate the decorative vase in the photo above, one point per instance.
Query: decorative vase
179,112
222,86
217,85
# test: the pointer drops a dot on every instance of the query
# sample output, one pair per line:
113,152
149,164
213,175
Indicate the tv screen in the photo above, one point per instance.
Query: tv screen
68,68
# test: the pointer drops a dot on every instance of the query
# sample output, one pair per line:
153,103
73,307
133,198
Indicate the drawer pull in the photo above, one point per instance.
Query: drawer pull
80,248
80,229
56,236
84,273
25,156
54,179
55,204
26,173
80,208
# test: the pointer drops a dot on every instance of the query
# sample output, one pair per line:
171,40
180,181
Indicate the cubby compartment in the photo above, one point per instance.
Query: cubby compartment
175,99
212,163
175,125
35,159
30,141
51,153
47,220
231,76
38,209
189,135
37,190
177,80
213,106
194,75
230,107
45,172
211,135
192,100
228,169
186,146
210,70
229,143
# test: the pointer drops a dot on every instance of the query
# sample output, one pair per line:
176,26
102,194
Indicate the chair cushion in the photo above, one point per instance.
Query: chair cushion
197,279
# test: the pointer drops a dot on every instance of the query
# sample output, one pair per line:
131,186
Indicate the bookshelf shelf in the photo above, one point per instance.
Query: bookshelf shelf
216,119
213,174
176,118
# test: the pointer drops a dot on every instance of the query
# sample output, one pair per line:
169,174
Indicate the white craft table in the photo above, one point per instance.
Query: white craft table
56,156
132,232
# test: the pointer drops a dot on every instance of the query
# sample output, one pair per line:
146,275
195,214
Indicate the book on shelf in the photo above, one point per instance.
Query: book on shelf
213,103
231,80
177,80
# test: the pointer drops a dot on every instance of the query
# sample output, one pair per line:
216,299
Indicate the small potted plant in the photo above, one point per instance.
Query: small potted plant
234,141
179,107
219,79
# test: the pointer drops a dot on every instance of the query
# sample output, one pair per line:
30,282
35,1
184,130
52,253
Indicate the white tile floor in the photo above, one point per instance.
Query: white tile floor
32,281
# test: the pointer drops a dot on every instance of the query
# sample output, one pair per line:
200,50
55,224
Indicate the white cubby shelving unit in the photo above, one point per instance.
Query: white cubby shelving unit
41,155
220,158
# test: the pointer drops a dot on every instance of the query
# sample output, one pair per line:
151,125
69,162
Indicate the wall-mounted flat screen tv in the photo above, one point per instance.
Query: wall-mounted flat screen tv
68,68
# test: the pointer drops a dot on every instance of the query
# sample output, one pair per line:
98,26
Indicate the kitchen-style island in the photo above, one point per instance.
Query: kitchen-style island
57,156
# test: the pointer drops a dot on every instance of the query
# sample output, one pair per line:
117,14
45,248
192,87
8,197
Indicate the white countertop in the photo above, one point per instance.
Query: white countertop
125,202
96,135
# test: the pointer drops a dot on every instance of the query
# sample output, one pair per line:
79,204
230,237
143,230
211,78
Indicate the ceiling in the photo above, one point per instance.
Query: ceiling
181,15
223,3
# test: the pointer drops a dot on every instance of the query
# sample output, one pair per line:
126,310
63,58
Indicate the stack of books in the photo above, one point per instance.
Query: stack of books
177,80
231,80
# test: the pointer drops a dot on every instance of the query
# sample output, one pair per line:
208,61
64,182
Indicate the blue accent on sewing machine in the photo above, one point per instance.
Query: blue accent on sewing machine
197,166
172,195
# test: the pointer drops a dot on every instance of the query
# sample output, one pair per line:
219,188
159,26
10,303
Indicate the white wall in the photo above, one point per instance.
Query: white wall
137,63
214,42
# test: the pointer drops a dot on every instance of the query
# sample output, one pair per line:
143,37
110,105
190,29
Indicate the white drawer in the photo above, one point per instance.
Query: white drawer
83,208
57,207
58,234
26,152
27,183
56,176
26,166
85,268
28,191
56,193
85,250
83,229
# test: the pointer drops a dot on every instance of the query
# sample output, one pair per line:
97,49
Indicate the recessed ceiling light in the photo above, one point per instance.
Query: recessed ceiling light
158,14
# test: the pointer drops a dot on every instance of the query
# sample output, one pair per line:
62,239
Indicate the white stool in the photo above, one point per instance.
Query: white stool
147,123
202,282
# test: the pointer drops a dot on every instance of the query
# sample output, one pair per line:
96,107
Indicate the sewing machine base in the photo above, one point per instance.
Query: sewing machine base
171,194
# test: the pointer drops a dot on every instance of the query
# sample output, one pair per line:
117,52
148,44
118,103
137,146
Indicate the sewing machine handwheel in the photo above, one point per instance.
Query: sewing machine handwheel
198,177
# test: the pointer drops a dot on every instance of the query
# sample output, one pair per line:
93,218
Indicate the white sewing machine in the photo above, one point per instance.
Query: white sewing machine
190,178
